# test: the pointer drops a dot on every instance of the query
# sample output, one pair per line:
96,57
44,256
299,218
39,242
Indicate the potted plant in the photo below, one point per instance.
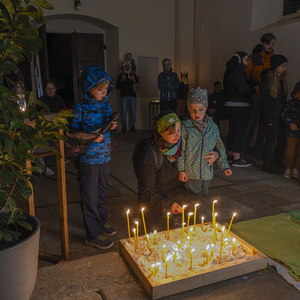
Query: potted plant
19,233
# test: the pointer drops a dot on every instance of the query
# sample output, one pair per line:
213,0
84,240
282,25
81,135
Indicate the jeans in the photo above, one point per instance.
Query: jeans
131,102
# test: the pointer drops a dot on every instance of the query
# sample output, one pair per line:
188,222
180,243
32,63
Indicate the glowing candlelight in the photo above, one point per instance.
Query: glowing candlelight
147,238
195,210
230,224
155,243
163,253
168,225
202,222
128,225
212,251
183,207
213,212
188,223
221,244
182,231
137,234
145,230
206,254
233,246
153,270
135,245
215,235
191,259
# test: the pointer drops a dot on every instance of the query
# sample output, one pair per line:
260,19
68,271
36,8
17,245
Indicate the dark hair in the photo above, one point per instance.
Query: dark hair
257,49
52,82
163,113
296,89
217,83
267,38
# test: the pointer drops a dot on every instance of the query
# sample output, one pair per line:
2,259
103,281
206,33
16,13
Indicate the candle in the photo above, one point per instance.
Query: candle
213,212
233,246
128,225
189,246
153,270
195,210
166,270
212,251
168,225
188,223
183,207
230,224
206,254
145,230
182,231
191,259
221,244
135,246
157,267
253,250
147,238
163,254
215,235
155,243
137,234
174,257
202,222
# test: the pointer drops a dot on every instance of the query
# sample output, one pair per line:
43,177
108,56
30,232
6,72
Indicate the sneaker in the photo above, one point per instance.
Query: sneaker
108,230
230,158
287,174
240,163
49,172
294,173
269,169
133,129
124,130
100,242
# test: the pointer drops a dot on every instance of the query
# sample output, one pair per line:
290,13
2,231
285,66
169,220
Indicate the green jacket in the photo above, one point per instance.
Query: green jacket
195,145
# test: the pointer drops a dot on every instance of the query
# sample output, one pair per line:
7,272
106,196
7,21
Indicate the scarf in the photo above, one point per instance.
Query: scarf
200,125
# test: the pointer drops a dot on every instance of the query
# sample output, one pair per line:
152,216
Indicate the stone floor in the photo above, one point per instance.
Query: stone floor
95,274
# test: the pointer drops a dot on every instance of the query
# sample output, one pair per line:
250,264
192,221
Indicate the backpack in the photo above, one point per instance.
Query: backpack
158,158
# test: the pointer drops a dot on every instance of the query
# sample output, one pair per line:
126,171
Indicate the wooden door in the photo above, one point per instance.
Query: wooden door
87,49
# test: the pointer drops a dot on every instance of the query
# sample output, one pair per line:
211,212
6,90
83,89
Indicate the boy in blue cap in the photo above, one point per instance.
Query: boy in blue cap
91,114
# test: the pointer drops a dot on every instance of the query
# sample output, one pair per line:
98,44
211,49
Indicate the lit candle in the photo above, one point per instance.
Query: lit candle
213,212
137,234
217,228
128,225
206,254
182,231
233,246
191,259
230,224
135,246
189,246
183,207
202,222
188,223
147,238
221,244
145,230
155,243
163,253
195,210
168,225
212,251
215,235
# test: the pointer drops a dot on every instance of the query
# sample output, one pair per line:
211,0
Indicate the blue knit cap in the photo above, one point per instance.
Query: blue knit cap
197,96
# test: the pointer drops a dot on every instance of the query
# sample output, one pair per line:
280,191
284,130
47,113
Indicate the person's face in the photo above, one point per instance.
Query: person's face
99,93
297,94
282,68
174,137
218,88
245,60
17,89
197,111
167,66
50,90
127,67
267,48
128,56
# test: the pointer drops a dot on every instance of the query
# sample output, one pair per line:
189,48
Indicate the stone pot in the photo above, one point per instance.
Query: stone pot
18,265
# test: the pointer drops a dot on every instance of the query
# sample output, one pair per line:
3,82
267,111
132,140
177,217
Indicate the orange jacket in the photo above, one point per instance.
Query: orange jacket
257,63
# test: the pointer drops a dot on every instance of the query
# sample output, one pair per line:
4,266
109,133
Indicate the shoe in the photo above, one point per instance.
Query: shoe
294,173
287,174
49,172
133,129
230,158
124,130
240,163
269,169
100,242
108,230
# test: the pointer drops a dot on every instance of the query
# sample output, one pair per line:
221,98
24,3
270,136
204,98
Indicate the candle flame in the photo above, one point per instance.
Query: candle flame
233,240
207,247
164,246
234,214
188,237
191,229
158,263
191,213
134,230
202,218
223,228
147,235
192,249
153,265
183,224
143,209
184,206
136,222
225,239
154,231
196,204
216,214
215,201
212,245
217,225
128,211
168,213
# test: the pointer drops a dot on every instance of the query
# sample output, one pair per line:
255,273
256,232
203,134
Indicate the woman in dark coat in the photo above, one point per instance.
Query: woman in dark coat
160,190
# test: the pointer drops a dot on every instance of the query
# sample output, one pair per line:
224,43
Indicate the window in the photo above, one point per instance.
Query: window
291,7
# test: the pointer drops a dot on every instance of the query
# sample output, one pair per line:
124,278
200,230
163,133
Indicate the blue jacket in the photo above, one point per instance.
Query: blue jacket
168,83
91,114
195,145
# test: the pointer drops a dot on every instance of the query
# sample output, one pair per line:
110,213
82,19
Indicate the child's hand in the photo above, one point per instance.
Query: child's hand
99,138
228,172
176,208
182,176
294,126
113,125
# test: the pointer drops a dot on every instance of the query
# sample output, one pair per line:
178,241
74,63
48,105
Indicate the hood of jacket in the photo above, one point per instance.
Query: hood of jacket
265,73
233,63
92,76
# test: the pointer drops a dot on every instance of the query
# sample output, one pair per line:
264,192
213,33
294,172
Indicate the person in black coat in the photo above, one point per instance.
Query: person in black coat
273,91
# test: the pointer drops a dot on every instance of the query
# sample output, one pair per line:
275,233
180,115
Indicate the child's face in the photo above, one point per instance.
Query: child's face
174,137
128,56
197,111
218,88
99,93
298,95
17,89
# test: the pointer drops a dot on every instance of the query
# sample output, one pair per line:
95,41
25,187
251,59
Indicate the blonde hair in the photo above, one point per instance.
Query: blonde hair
100,86
274,83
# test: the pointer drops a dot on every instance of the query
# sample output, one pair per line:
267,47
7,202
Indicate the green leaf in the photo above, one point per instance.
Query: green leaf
16,124
4,45
2,195
24,224
33,180
23,148
24,190
9,143
4,13
28,132
8,67
16,4
33,12
43,3
5,235
15,235
7,177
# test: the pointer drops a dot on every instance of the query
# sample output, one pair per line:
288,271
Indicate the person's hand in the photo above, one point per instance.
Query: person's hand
176,208
270,124
212,157
212,111
113,125
256,87
294,127
228,172
182,176
99,138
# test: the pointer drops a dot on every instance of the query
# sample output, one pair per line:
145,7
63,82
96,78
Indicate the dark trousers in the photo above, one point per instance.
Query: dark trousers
238,118
218,116
93,181
172,104
292,153
280,144
250,129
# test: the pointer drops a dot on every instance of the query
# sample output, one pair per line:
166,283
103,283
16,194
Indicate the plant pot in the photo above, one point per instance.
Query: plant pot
19,264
